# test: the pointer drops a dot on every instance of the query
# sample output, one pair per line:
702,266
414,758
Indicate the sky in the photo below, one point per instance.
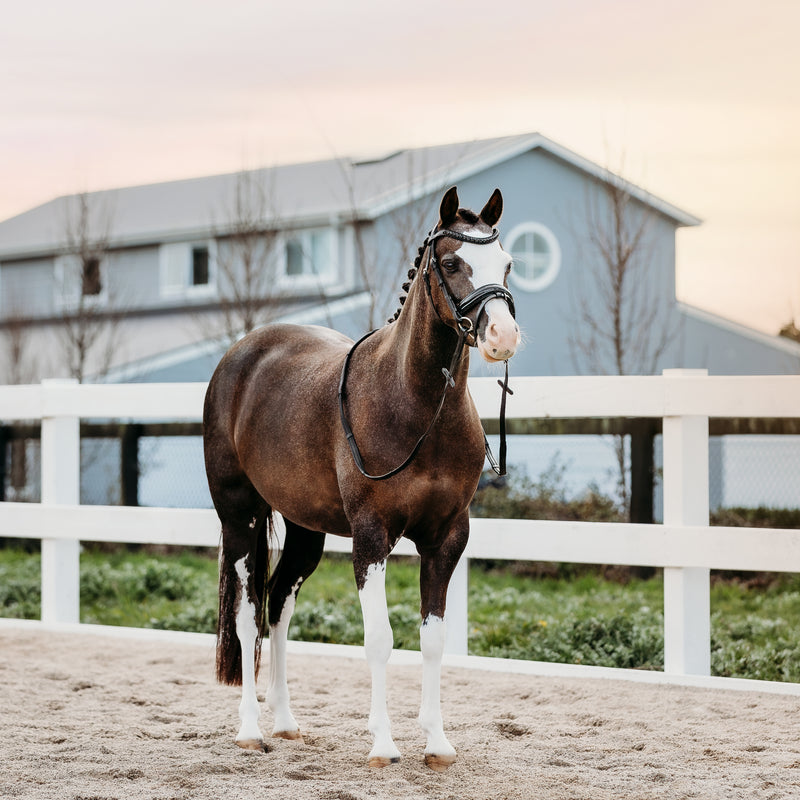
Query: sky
696,101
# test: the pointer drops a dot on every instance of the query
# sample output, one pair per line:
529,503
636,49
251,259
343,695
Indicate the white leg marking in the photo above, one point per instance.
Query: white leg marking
431,640
278,691
378,646
247,632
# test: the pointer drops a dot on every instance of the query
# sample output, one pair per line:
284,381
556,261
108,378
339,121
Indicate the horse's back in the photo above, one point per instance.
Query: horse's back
270,357
267,347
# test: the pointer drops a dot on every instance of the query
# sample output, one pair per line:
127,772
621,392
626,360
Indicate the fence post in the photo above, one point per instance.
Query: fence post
456,615
61,459
687,605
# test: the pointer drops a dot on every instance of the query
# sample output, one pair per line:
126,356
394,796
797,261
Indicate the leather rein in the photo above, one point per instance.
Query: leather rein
466,331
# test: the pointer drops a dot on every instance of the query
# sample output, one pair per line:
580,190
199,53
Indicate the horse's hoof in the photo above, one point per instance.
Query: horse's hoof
378,762
292,736
439,763
251,744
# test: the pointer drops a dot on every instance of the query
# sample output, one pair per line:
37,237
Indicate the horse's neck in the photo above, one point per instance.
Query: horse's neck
420,345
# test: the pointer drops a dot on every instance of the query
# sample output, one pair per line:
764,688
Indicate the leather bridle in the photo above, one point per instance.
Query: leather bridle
479,297
466,330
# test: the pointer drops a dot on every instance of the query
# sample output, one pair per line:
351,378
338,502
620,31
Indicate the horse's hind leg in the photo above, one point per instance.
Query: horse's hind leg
302,551
243,561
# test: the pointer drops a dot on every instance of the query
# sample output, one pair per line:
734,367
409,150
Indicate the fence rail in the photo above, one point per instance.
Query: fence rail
685,546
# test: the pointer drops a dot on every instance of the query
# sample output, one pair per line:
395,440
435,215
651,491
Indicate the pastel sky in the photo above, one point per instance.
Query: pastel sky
697,101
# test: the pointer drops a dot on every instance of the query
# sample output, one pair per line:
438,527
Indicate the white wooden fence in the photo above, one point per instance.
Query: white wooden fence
685,546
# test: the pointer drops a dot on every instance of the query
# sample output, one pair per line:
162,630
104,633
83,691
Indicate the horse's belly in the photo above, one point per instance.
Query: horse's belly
308,505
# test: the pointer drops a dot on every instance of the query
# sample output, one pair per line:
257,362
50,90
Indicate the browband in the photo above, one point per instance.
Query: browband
463,237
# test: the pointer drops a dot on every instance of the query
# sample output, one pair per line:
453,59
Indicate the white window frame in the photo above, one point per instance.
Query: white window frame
68,283
175,270
310,279
551,273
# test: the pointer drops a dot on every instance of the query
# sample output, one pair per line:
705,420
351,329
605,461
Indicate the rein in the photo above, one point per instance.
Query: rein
348,431
458,308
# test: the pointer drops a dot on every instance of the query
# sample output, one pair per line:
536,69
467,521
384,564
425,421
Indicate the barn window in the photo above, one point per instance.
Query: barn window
187,269
91,284
309,257
200,271
536,254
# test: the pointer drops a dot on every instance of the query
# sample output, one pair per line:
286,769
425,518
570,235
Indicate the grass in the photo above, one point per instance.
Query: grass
575,617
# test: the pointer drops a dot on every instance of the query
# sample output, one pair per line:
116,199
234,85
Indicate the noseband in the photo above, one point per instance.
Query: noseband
459,310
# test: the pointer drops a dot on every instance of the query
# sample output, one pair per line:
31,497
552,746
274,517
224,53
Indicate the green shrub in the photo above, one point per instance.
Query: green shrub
520,497
326,620
20,585
760,517
196,618
137,580
578,621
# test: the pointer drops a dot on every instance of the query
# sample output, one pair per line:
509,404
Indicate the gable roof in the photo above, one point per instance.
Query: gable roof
313,193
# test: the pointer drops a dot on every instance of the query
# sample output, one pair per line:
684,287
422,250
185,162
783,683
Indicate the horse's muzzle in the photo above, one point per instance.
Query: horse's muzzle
499,338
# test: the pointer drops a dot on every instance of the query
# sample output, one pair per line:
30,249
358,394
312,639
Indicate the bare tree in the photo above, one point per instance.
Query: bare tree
409,223
90,316
247,259
622,323
20,365
20,358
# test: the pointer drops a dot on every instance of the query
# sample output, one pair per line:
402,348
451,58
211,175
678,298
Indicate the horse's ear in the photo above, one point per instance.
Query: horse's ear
449,208
493,210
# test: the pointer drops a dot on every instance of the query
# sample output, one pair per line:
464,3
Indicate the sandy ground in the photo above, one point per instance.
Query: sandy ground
86,717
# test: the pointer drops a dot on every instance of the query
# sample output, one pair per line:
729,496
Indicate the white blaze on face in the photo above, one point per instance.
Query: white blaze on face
488,263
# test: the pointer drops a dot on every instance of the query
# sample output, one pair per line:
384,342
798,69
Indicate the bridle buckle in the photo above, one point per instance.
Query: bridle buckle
465,325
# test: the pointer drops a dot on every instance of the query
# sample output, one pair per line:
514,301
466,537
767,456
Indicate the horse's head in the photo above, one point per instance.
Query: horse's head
471,270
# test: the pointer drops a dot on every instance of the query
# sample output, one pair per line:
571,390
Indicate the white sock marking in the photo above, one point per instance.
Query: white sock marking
278,691
247,632
378,647
431,640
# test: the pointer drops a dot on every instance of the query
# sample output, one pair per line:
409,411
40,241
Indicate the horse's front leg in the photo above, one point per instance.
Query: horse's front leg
436,569
370,577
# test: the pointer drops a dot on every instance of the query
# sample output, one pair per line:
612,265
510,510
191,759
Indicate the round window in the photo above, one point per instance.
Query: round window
536,254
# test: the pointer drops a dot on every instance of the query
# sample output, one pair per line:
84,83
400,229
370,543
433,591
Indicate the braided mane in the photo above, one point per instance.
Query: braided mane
466,215
412,273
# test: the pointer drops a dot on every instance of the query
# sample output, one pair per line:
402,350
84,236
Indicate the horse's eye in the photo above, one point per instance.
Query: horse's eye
450,264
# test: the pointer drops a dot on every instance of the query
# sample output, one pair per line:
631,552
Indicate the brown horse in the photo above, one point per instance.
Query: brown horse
276,439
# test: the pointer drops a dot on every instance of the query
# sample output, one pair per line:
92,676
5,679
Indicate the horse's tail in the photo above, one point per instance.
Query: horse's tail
231,596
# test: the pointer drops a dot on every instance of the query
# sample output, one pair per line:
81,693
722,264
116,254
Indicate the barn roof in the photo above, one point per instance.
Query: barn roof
307,193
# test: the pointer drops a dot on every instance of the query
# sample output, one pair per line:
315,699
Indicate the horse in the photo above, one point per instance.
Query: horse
300,421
